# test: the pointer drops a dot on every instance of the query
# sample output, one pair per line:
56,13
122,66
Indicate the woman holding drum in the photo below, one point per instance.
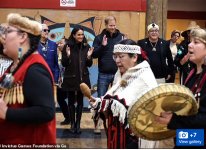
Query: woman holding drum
196,83
134,76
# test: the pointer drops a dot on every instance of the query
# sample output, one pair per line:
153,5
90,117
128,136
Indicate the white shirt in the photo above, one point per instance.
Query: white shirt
173,48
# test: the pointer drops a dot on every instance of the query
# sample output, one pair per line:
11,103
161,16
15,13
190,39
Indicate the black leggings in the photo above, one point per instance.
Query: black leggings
61,96
80,97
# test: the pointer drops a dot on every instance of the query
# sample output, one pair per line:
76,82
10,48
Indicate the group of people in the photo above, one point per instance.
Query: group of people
130,67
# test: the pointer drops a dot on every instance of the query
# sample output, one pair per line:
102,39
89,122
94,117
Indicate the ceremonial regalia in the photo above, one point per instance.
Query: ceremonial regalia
20,133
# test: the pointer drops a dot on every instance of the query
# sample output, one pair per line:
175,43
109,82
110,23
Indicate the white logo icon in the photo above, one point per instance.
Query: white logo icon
183,135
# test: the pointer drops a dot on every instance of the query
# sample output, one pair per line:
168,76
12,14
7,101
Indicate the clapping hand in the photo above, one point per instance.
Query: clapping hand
68,51
104,41
126,36
89,53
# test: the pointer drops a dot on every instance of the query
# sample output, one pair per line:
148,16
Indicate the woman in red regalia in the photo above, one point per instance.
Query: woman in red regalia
27,108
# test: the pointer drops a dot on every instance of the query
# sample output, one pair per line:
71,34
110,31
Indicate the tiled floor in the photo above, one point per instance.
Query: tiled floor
85,140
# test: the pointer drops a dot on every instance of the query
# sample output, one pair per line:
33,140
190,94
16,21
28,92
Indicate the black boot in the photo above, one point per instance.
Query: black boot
65,122
78,116
72,117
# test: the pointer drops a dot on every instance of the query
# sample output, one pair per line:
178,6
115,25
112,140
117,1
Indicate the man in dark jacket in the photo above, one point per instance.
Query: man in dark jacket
103,50
159,54
48,50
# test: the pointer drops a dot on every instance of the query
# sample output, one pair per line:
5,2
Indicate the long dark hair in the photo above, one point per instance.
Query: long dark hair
131,42
33,42
66,41
65,46
72,42
1,48
200,77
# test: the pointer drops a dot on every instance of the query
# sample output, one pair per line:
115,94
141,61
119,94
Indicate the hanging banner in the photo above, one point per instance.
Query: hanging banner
67,3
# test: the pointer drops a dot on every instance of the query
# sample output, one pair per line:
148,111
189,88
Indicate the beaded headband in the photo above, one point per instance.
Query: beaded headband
152,25
135,49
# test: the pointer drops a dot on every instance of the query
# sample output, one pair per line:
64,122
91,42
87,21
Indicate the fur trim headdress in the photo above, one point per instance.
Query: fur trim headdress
24,24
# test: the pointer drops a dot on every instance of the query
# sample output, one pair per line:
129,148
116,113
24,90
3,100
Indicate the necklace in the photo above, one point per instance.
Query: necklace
153,47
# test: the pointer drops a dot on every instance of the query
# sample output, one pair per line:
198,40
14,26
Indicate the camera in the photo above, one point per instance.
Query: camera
183,135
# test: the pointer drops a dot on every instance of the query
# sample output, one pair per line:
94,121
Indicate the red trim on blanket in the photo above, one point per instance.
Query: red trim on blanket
116,97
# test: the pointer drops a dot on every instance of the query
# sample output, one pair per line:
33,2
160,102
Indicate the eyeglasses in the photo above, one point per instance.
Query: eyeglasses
45,30
7,31
120,57
10,30
176,36
153,31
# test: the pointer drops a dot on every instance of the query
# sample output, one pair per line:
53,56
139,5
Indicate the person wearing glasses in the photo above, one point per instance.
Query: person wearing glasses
159,54
27,107
196,83
182,59
62,95
134,76
174,46
48,50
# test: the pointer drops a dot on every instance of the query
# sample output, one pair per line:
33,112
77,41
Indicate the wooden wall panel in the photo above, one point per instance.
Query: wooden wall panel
181,25
132,22
117,5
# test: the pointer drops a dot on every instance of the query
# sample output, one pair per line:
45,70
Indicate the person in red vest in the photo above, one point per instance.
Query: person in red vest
27,108
196,83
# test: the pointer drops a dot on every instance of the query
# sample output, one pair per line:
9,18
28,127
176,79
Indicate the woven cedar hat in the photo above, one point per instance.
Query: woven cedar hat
192,25
199,34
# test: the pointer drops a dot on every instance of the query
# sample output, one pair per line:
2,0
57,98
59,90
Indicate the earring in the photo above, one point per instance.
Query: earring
20,48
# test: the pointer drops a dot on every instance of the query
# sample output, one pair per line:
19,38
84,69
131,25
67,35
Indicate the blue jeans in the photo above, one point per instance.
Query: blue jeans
103,82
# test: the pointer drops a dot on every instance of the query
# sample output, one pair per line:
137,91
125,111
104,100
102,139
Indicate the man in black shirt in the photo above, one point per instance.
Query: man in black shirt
159,54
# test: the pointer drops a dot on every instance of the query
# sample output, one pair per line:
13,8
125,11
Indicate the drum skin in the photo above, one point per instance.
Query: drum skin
166,97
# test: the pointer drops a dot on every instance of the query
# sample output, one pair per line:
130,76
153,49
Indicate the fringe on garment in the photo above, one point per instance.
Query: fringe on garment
117,108
161,144
146,144
15,94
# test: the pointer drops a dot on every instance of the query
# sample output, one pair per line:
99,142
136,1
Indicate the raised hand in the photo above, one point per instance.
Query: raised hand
89,53
126,36
104,41
68,51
